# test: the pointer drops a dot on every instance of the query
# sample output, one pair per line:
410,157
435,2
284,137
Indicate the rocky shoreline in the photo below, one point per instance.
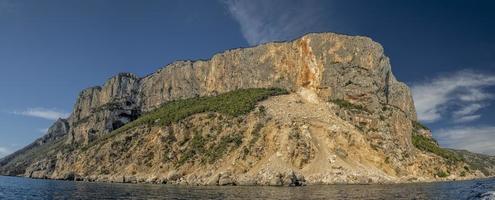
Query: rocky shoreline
225,179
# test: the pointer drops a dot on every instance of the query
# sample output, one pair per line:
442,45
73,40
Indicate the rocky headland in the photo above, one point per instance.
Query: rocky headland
322,109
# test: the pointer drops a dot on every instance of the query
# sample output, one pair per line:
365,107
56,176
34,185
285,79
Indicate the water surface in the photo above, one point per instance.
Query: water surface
24,188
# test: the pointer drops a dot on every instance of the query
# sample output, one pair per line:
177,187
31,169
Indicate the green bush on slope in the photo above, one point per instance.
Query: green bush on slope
442,174
234,103
430,145
348,105
426,144
417,125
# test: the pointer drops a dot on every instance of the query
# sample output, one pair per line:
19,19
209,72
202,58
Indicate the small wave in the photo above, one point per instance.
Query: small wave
487,196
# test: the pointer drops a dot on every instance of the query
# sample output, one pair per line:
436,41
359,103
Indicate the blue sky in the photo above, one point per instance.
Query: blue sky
52,49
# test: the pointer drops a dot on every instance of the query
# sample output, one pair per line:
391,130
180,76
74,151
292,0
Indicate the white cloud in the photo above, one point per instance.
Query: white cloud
4,152
470,109
463,91
43,130
467,118
474,94
476,139
51,114
264,21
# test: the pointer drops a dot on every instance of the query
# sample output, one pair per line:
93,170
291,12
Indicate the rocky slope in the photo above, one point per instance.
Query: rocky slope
484,163
344,119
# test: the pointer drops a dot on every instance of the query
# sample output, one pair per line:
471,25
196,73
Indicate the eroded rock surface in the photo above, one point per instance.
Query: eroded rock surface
332,66
346,120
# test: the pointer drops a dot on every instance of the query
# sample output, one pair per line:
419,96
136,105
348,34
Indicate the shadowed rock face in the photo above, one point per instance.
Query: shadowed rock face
59,129
329,65
99,110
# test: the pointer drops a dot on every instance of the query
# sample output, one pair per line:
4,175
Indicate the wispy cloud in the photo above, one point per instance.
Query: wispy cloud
44,113
476,139
467,118
470,109
264,21
460,95
466,114
4,152
43,130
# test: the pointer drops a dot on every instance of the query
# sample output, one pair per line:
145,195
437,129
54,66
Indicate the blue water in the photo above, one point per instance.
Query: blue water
23,188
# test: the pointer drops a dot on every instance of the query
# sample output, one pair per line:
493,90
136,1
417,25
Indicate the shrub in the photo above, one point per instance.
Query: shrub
442,174
234,103
223,146
426,144
348,105
417,125
256,134
196,147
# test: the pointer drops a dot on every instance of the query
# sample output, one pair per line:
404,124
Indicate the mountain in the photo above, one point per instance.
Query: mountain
322,109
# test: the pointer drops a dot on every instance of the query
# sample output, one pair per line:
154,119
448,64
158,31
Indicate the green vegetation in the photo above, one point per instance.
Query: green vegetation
107,106
430,145
348,105
295,134
197,148
233,103
418,125
483,163
442,174
426,144
360,127
256,134
222,147
483,167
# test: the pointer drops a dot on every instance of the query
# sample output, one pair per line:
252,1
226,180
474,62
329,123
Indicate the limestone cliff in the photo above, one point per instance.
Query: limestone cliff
346,119
330,65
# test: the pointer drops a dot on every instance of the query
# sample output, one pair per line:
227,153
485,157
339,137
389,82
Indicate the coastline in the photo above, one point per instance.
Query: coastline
260,185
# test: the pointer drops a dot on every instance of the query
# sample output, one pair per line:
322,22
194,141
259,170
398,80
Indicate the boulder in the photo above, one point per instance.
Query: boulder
213,180
245,180
69,176
225,179
277,180
173,175
130,179
118,179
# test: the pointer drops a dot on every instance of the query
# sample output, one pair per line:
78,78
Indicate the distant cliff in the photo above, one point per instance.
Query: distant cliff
342,118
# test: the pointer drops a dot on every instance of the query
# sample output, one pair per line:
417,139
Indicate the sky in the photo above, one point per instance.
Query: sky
50,50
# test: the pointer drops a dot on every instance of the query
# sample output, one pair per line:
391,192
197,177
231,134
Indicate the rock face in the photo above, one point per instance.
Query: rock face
346,120
331,66
58,130
100,110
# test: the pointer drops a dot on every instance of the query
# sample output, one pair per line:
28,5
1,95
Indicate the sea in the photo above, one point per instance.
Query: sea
25,188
